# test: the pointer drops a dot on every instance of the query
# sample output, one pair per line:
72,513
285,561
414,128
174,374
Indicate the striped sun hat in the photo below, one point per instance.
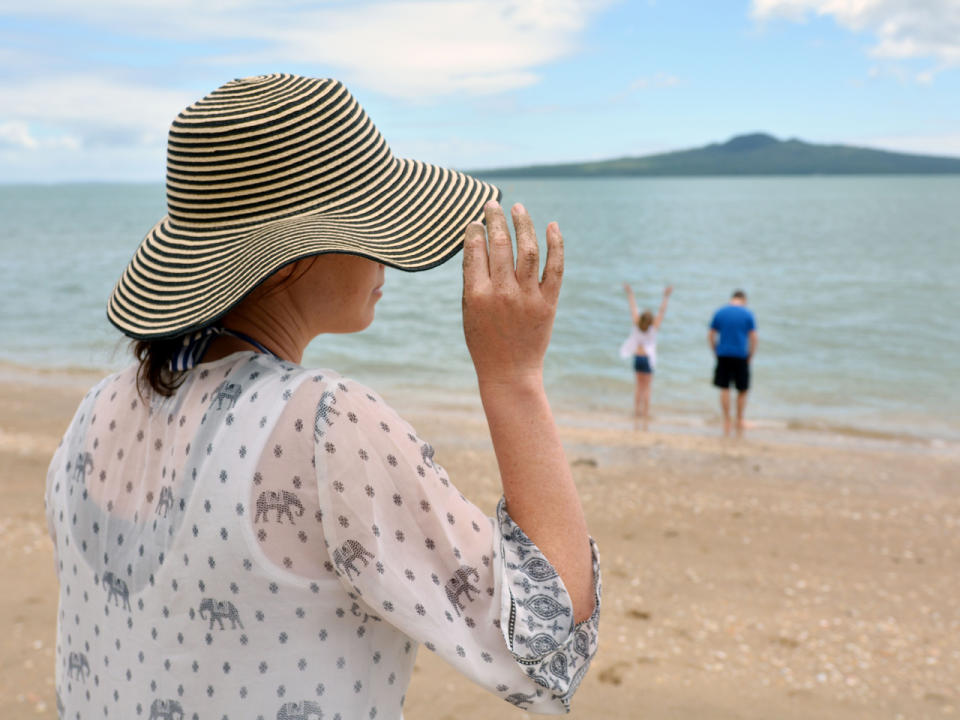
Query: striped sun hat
266,170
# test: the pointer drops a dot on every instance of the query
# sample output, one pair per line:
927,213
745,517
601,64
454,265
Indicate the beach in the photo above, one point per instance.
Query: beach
784,575
797,559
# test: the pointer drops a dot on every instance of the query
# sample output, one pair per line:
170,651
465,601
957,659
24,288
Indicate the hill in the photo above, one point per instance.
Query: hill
753,154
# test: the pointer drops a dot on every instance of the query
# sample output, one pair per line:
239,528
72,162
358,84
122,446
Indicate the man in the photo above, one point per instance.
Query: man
733,339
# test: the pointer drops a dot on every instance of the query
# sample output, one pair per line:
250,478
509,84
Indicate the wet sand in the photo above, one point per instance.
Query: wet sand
788,575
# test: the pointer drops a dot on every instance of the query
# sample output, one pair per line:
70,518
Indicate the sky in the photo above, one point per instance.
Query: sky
88,90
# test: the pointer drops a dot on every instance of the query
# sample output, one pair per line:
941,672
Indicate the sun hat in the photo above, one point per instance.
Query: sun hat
266,170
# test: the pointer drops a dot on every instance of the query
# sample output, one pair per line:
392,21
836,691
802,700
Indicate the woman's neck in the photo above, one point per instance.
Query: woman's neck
275,326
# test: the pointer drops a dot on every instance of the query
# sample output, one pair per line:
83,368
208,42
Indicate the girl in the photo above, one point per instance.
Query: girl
642,346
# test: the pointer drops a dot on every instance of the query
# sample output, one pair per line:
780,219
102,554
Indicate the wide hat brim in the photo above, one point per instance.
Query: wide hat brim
417,222
407,215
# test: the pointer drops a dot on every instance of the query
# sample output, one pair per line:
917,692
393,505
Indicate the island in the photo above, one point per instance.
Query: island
752,154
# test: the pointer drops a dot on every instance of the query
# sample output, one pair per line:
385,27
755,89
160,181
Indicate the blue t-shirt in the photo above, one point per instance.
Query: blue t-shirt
734,323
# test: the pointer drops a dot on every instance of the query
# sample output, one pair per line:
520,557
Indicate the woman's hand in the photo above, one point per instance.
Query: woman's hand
508,312
508,309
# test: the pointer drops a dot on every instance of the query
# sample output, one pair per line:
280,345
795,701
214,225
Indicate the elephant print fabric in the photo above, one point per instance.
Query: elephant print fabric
280,501
77,666
460,584
217,611
344,556
166,710
276,542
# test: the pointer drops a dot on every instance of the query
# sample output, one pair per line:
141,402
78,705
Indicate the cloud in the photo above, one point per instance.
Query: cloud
647,82
17,135
410,50
84,90
904,29
91,109
414,50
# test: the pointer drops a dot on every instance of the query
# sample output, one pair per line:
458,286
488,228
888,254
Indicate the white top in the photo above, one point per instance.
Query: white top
637,339
274,542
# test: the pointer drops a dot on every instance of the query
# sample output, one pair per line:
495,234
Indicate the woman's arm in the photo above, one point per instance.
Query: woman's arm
416,553
508,313
663,306
634,313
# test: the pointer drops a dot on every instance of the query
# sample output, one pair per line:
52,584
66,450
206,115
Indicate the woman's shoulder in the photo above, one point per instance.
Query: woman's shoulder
342,409
248,371
321,387
115,383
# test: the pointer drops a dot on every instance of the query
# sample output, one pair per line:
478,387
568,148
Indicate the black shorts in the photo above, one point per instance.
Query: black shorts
641,363
734,370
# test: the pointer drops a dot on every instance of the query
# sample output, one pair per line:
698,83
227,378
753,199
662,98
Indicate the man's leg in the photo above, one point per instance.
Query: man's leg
725,406
743,385
741,407
721,380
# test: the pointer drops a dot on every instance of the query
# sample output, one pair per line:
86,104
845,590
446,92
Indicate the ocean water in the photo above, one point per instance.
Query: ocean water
854,282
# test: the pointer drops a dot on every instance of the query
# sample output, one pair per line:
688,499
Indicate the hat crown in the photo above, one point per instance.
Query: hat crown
262,148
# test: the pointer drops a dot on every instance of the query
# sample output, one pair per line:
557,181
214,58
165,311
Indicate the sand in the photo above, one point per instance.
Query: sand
789,575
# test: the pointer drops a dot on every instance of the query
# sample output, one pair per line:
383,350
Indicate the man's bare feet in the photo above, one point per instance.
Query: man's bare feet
726,427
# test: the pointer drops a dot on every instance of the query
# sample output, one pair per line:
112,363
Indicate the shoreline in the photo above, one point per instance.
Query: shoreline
415,401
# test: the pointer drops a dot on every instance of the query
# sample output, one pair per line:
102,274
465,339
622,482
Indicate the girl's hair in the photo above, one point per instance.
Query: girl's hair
153,356
645,320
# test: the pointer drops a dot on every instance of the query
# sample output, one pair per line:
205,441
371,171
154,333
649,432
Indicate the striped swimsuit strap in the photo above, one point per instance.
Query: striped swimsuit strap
195,346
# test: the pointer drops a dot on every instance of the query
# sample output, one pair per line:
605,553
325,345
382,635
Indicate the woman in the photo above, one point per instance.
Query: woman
240,537
641,344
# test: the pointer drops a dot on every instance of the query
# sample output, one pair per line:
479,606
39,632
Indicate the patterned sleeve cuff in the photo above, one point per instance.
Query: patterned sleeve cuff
536,615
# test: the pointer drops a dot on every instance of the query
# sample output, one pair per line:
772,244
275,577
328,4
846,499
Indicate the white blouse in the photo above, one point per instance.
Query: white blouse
637,339
275,542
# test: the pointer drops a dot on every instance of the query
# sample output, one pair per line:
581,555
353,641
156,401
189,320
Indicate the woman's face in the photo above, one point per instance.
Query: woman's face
336,292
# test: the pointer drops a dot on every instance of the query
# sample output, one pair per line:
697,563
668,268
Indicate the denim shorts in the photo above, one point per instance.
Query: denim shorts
641,363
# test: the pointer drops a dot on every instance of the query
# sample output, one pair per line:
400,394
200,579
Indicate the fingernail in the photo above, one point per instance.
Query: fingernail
492,205
520,209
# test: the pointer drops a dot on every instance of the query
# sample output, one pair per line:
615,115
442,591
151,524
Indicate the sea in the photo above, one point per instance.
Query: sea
854,281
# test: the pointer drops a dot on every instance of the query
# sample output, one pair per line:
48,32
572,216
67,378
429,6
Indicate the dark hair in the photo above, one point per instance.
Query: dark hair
154,373
739,294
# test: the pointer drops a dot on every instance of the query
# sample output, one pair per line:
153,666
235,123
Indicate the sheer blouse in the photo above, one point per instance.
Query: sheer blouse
275,542
637,340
